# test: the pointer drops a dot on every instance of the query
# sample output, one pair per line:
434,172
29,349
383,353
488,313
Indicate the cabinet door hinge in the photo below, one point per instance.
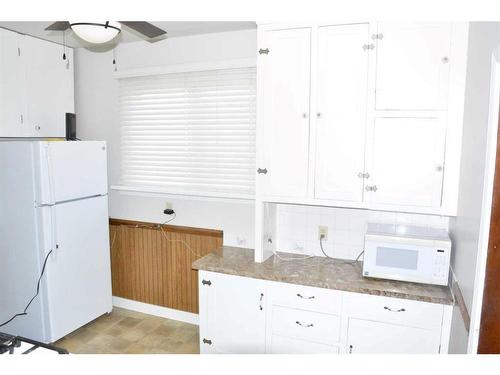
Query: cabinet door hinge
264,51
208,342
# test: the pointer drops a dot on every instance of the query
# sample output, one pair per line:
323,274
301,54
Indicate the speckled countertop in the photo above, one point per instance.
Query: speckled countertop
318,272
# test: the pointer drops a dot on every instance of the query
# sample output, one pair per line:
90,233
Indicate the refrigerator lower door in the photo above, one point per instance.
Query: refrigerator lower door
70,170
78,274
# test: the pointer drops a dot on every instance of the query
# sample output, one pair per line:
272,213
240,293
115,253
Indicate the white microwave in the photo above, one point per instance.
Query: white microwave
407,253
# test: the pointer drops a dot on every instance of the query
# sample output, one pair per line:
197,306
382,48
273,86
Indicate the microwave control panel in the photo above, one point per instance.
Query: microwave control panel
441,267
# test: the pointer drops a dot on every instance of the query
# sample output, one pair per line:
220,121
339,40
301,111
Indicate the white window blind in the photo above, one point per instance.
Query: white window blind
190,133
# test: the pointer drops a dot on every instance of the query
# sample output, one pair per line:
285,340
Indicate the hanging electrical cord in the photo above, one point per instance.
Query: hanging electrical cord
163,232
338,260
25,311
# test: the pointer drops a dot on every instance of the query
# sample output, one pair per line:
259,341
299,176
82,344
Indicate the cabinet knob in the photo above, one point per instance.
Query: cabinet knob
37,127
445,60
319,115
439,168
304,115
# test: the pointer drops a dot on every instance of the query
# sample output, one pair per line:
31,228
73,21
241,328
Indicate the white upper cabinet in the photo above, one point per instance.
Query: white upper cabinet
49,86
406,157
340,119
11,86
365,115
413,66
283,105
36,86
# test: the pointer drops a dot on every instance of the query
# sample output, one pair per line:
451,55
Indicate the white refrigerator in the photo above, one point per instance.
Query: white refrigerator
53,196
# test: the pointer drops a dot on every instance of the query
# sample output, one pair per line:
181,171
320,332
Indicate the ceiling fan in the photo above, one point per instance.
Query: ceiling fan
103,32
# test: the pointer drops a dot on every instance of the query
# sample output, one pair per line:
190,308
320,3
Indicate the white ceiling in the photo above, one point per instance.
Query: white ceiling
173,29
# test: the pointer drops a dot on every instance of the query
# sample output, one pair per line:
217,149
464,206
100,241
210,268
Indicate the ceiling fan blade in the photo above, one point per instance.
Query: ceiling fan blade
58,26
144,28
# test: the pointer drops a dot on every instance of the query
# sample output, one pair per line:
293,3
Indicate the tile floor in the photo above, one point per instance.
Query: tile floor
129,332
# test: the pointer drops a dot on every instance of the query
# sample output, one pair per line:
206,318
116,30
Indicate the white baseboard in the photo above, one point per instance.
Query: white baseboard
163,312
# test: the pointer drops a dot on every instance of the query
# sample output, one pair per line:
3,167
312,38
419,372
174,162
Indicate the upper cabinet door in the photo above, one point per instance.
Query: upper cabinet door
406,157
412,66
284,80
11,86
342,69
49,86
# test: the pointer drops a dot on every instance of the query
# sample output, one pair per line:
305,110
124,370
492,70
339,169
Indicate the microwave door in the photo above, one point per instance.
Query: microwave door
395,261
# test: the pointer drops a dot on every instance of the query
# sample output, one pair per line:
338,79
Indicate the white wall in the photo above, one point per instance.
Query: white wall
465,229
97,118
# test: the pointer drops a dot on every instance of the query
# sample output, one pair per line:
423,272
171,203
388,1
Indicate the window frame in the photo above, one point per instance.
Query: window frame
183,68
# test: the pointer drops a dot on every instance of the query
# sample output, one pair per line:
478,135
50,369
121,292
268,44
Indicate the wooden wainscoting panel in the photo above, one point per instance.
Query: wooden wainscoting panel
152,266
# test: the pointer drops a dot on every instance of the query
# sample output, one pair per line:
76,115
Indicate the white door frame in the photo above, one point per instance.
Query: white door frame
484,228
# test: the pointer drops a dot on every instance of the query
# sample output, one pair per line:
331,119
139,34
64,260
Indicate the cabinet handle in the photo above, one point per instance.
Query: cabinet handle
206,341
394,310
262,170
206,282
371,188
303,297
304,325
260,301
363,175
350,349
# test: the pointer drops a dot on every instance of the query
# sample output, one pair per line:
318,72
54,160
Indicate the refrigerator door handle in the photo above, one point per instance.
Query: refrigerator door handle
50,174
53,230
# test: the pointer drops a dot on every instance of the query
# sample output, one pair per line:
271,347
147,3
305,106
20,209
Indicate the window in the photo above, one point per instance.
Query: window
189,133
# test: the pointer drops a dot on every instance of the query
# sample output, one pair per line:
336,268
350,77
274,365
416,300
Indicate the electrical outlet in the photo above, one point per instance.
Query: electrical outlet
323,233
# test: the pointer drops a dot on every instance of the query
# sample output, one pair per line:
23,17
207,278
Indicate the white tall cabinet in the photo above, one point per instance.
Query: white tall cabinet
365,115
284,99
36,86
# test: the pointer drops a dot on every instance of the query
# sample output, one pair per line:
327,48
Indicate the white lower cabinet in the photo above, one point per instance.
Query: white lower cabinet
232,315
366,336
246,315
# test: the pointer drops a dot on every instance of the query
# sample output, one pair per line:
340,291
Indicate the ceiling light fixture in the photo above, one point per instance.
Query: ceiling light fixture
96,33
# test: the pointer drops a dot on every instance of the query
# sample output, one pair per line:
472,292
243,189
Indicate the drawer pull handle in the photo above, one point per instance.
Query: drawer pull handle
303,297
260,301
304,325
393,310
206,282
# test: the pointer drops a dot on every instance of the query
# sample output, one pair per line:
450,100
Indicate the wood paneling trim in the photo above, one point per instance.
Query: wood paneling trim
154,266
489,335
170,228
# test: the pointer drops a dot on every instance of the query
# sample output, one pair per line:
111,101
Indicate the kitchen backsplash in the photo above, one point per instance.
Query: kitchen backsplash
298,228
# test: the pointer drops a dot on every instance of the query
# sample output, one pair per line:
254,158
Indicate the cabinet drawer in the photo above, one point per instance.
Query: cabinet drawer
394,310
307,298
287,345
306,325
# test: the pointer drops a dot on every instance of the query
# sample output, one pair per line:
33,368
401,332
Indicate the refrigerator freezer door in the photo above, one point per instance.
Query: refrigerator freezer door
70,170
78,280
